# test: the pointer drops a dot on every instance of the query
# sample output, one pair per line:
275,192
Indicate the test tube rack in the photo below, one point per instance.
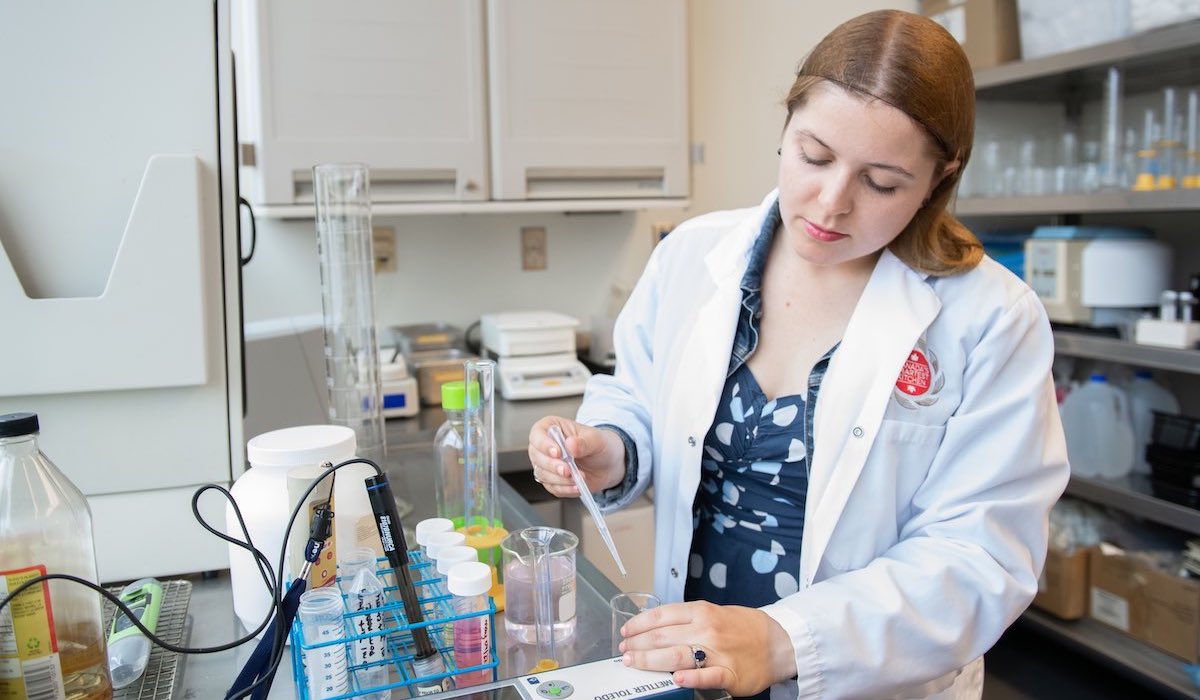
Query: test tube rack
439,620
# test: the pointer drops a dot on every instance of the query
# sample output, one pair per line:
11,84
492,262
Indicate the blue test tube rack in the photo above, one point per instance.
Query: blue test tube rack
440,616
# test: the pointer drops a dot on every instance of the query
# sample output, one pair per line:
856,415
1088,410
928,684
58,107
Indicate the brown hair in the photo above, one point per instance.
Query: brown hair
913,64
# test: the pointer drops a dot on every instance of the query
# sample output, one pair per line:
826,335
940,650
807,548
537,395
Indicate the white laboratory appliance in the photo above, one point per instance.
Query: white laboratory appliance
119,265
535,354
1096,276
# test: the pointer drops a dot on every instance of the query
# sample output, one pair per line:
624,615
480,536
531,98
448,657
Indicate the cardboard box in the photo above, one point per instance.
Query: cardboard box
1063,586
632,530
1156,607
987,29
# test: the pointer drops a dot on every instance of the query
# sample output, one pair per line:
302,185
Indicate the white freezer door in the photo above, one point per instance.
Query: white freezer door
117,230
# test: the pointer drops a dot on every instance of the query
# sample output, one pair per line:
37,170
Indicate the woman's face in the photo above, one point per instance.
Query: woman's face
852,174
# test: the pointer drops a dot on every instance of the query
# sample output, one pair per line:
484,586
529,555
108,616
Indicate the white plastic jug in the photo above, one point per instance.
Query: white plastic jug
1145,397
262,496
1099,430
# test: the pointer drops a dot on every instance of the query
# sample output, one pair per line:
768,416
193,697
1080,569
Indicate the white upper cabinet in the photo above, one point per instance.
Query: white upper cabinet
588,98
557,101
399,86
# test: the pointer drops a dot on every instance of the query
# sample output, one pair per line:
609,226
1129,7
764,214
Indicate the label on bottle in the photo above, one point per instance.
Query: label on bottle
29,663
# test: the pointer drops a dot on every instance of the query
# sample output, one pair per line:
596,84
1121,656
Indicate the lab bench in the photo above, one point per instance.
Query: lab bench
410,466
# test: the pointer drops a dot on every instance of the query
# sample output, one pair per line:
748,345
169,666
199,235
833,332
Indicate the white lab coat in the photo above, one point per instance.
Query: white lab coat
926,517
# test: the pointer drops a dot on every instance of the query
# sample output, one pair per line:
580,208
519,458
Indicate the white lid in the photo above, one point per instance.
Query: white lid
302,446
428,526
440,540
469,578
447,557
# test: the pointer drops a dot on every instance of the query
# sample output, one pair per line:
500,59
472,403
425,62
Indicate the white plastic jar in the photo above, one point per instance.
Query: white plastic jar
262,496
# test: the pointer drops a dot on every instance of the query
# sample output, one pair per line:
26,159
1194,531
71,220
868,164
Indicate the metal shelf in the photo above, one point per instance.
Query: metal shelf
1129,656
594,206
1149,60
1098,202
1131,494
1124,352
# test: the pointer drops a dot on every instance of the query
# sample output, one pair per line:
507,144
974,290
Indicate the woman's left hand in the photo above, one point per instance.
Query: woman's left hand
745,650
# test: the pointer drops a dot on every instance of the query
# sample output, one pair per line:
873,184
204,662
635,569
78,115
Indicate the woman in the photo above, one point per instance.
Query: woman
845,408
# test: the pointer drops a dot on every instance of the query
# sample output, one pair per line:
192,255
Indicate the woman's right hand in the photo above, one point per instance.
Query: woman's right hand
599,454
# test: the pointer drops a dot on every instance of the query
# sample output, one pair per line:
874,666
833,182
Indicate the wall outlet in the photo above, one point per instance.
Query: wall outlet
533,248
383,244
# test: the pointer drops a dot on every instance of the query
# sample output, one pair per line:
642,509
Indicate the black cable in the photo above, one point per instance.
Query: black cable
280,632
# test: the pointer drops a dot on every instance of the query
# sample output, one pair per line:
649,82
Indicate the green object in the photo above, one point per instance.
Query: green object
144,597
454,395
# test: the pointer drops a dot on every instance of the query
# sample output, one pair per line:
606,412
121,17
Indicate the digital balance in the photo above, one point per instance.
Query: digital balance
608,679
535,354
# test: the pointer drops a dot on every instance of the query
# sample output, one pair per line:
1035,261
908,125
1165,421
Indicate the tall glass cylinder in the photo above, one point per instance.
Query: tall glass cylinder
1110,131
480,459
481,525
343,195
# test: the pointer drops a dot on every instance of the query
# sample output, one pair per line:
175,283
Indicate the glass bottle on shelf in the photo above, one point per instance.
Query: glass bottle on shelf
46,528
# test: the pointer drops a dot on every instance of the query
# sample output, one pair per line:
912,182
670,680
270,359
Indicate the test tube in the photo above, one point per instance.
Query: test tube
1110,153
1191,177
1168,143
320,612
483,530
1147,177
365,592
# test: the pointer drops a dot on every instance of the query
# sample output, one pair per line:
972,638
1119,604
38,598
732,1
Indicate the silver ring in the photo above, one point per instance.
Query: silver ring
698,655
535,478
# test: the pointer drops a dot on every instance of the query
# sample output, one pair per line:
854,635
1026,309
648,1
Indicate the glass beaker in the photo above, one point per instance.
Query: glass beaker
624,607
520,579
342,193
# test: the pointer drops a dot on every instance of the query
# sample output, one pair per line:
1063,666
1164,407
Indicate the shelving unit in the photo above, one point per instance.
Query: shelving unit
1124,352
1131,494
1094,203
1163,673
1149,61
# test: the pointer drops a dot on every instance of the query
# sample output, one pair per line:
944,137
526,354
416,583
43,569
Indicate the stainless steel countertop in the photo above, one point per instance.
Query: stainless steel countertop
410,466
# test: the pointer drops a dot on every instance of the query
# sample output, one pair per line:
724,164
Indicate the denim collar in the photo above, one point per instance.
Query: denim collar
745,337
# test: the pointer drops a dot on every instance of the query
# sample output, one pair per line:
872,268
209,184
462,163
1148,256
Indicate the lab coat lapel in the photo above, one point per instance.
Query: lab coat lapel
703,357
895,309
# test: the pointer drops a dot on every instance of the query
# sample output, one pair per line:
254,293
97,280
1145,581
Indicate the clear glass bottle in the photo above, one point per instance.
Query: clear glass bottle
449,446
469,582
46,527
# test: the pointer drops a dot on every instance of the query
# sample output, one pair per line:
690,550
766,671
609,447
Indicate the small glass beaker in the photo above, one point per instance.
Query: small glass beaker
624,606
520,576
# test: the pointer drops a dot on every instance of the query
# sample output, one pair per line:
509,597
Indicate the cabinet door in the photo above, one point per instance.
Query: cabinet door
395,85
588,99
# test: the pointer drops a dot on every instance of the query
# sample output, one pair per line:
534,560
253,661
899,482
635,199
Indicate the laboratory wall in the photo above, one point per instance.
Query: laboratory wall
455,267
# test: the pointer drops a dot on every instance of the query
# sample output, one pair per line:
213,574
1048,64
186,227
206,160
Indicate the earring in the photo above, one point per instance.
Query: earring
779,151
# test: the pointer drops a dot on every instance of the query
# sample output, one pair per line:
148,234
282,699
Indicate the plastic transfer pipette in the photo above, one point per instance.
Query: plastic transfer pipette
586,496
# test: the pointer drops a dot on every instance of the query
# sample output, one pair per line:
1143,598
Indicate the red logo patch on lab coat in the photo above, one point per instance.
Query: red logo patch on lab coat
915,376
921,379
